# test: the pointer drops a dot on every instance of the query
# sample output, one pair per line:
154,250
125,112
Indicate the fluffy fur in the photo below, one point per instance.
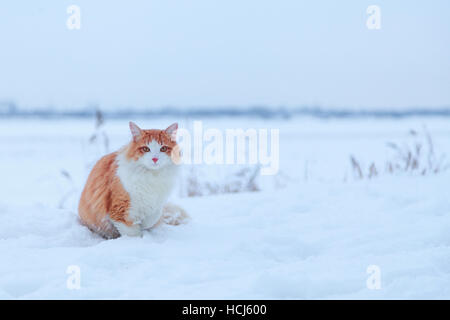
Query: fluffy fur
126,191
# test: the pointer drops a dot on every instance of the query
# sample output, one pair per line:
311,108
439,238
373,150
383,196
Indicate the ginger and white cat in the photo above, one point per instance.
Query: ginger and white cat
127,190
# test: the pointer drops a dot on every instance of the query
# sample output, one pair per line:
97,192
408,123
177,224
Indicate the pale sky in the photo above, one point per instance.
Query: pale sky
153,53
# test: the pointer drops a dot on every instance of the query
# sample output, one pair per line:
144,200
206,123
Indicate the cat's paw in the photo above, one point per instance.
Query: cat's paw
150,221
174,215
130,231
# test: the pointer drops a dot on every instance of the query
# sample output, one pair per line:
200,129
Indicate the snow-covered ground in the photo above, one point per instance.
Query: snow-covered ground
310,233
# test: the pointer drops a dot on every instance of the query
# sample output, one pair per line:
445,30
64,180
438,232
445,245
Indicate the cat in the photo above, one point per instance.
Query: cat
127,190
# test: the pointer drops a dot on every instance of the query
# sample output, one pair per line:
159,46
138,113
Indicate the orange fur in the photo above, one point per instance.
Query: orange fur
103,195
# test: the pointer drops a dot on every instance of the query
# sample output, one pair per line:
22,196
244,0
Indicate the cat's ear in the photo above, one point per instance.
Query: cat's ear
172,131
135,131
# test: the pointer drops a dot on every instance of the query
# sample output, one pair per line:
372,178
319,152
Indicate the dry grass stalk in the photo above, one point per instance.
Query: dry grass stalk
417,156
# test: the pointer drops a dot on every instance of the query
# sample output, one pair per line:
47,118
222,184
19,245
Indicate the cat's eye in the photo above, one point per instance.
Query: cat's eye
145,149
163,149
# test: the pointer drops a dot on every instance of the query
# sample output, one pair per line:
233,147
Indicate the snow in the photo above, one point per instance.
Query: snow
311,236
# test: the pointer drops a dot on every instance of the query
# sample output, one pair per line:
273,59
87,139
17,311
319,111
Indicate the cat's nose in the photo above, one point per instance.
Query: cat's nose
155,160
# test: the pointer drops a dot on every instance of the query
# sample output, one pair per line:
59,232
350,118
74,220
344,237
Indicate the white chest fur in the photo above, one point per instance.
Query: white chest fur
148,190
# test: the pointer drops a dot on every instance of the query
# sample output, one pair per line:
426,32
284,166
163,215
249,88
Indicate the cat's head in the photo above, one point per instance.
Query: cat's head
153,149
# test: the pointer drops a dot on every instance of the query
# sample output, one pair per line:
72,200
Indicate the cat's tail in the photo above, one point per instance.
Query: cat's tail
174,214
